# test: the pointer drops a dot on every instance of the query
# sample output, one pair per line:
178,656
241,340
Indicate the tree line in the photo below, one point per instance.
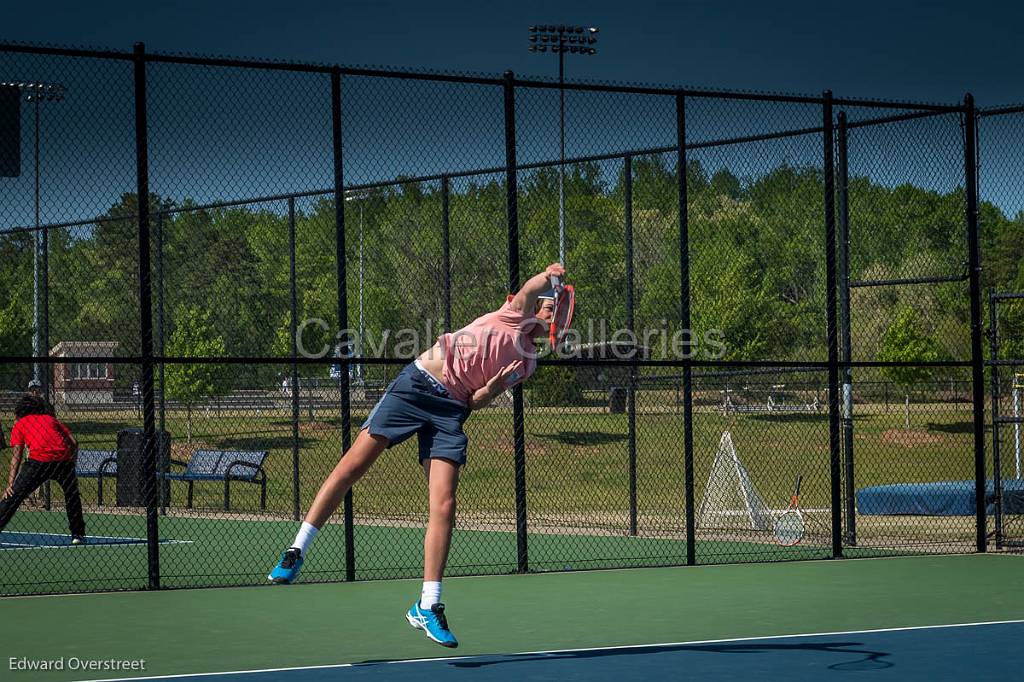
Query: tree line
222,277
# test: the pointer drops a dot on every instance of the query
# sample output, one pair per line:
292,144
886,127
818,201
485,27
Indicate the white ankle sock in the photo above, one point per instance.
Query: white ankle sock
431,594
304,538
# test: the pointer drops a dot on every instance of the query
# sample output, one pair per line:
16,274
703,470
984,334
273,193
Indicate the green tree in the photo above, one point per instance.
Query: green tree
906,341
194,336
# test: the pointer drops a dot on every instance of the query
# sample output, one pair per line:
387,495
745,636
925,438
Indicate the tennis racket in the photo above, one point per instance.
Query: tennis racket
561,317
789,527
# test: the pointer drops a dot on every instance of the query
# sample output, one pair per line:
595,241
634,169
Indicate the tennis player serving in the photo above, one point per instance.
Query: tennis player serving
432,397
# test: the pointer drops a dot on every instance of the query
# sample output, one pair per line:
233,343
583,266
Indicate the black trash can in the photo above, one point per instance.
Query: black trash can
132,486
617,400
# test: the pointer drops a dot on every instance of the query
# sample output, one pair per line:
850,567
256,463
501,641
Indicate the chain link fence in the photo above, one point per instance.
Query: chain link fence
772,289
1002,224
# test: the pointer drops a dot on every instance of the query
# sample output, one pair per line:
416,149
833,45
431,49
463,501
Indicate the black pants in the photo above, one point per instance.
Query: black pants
32,475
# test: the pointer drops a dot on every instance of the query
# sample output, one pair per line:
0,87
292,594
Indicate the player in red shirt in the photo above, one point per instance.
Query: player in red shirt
51,456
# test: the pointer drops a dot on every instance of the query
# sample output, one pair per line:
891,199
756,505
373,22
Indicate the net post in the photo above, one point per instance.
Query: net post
828,142
845,324
339,245
974,277
512,220
146,317
684,320
627,171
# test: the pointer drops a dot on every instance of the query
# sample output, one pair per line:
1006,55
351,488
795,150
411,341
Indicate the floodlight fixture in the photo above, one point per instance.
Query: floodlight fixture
36,92
563,40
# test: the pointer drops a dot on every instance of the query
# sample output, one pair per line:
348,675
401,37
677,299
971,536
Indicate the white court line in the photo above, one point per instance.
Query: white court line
13,545
555,652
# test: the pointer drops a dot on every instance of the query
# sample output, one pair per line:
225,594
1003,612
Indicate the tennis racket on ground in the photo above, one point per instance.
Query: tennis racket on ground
561,318
789,527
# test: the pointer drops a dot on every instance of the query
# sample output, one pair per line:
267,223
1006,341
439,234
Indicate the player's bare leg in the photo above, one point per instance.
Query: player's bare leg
349,469
427,613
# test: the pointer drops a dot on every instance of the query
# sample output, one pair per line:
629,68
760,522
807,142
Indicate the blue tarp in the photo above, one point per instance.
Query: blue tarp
939,498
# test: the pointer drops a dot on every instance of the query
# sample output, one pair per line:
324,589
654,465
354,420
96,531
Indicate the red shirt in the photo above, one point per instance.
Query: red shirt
47,439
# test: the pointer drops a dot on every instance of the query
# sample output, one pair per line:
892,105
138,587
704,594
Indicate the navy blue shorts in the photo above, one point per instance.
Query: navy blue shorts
415,403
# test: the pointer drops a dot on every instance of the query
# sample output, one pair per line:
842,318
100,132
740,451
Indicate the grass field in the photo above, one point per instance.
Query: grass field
577,459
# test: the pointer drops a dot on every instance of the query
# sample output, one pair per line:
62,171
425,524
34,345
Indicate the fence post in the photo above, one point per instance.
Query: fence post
997,468
512,219
446,265
845,324
345,361
828,142
44,282
295,354
161,464
974,276
684,321
44,289
627,171
146,317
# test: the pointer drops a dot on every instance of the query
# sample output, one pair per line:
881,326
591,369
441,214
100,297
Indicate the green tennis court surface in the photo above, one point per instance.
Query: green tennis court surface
245,629
197,551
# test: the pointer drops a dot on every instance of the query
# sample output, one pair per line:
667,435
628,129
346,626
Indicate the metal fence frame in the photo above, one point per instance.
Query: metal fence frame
839,364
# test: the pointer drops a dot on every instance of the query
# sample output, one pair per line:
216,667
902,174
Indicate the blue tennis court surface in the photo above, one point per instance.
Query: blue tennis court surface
974,651
34,540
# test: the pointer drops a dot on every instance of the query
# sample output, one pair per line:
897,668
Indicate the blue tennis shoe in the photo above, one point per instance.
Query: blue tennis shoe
287,569
433,622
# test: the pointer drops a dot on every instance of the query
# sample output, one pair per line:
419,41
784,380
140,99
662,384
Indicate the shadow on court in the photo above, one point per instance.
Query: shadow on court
581,437
853,658
860,659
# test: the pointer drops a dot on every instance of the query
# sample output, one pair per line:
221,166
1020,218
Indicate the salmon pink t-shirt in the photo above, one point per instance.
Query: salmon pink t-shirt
48,440
476,353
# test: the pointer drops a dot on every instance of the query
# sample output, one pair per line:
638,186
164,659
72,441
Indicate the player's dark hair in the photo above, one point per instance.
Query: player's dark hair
29,404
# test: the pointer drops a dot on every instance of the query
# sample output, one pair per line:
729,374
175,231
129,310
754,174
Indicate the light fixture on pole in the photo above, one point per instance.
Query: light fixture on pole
562,40
36,92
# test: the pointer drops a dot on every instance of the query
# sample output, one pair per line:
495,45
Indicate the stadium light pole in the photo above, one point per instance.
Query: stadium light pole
561,40
36,92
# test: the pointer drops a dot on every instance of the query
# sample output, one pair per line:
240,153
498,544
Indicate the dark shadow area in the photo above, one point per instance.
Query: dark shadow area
582,437
861,659
792,417
955,427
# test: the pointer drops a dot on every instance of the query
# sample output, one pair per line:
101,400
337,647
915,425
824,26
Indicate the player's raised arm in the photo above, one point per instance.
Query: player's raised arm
526,299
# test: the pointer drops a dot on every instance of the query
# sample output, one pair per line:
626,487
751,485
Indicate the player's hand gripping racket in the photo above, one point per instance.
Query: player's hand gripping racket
561,316
789,527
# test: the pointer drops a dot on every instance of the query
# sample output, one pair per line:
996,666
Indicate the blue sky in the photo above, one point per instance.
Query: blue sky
216,135
919,49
